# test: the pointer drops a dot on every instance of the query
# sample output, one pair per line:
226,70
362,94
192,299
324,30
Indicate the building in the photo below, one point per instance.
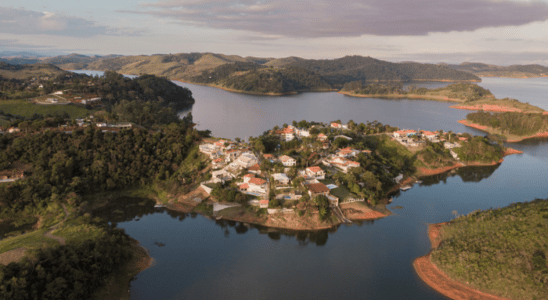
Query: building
315,172
217,163
430,135
255,169
344,164
263,203
347,152
281,178
247,160
322,137
13,130
257,185
404,133
317,189
288,161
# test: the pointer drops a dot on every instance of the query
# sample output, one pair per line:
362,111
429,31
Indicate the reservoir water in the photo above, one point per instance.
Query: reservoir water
208,259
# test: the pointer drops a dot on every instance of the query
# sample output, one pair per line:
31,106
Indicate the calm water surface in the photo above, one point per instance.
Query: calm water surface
207,259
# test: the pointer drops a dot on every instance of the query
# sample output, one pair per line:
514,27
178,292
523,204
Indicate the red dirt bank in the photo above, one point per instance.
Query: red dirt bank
486,129
439,281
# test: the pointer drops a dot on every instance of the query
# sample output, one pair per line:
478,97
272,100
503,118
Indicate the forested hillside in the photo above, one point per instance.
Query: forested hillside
226,70
517,71
519,124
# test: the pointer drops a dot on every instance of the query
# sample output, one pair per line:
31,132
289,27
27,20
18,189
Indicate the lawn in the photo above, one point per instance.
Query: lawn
27,109
31,240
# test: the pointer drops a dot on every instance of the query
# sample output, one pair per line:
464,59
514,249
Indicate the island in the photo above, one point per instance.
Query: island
472,96
492,254
509,126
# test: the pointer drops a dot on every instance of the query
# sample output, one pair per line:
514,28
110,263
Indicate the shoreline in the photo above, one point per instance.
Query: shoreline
487,129
272,222
496,108
399,96
424,172
436,279
255,93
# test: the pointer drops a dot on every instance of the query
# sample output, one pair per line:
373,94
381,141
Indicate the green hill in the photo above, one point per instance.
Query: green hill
9,71
318,74
499,250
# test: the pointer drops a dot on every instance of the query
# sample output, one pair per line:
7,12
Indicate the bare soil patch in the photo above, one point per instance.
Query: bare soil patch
359,211
12,256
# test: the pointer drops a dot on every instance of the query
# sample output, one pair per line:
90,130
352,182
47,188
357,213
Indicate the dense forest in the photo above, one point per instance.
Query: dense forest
461,90
511,123
480,149
27,81
72,271
502,250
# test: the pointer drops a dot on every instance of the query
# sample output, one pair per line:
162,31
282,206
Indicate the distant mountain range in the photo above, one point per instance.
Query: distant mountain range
279,75
262,75
514,71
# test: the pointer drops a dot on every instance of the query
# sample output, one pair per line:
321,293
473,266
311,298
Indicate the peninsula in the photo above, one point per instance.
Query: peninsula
475,255
509,126
472,96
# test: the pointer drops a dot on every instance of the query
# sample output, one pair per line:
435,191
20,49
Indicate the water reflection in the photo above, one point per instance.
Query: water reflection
467,174
126,209
531,146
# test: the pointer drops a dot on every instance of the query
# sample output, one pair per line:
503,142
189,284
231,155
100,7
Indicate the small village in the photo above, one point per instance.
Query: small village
277,182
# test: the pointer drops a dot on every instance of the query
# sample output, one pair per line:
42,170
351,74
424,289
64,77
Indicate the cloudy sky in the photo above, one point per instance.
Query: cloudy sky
501,32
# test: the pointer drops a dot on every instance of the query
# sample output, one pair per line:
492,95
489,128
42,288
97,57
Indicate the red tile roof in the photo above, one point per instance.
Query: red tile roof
264,201
255,167
318,188
257,181
218,160
314,169
244,186
249,175
268,155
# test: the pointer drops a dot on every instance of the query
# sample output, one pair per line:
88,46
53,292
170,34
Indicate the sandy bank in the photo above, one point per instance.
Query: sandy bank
400,96
358,211
493,108
439,281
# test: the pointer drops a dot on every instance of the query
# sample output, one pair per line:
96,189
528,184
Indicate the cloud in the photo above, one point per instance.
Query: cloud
21,21
317,18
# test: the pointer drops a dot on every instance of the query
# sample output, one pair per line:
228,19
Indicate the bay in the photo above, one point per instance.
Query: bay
208,259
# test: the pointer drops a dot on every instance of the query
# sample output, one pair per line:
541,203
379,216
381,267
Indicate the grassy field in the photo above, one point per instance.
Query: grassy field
499,250
77,233
31,240
25,108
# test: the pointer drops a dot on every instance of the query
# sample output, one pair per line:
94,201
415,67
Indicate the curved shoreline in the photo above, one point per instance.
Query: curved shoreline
399,96
438,280
255,93
487,129
495,108
423,172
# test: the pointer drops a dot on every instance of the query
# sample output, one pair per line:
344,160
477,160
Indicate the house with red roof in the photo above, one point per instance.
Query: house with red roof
257,185
288,161
315,172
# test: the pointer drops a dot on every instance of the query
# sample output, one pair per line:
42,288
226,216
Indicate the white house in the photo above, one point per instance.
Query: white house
315,172
247,160
322,137
303,132
222,174
344,164
281,178
217,163
347,152
288,161
257,185
430,135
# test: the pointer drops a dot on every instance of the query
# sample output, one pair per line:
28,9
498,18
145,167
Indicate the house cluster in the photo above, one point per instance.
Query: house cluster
291,132
339,126
342,159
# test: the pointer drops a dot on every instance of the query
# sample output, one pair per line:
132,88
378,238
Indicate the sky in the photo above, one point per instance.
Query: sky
502,32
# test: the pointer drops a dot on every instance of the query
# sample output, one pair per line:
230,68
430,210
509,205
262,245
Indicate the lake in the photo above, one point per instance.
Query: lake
208,259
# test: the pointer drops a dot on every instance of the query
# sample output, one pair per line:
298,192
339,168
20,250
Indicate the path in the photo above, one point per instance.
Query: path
52,228
340,215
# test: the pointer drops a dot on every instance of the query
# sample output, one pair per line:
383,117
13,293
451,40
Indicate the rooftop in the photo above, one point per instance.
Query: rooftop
318,188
